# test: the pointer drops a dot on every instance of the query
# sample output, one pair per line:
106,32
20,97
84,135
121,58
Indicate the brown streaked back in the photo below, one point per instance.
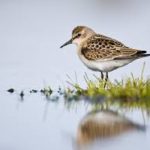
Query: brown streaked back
99,47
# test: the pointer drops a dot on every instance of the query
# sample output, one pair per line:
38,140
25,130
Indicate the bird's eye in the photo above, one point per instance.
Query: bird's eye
79,34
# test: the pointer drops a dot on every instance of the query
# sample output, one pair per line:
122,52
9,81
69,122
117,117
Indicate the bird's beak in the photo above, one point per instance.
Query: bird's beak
67,43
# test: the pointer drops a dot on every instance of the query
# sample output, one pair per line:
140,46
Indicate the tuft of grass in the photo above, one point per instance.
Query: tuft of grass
131,92
47,91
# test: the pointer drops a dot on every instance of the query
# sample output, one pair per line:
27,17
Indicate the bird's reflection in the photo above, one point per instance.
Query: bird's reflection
103,124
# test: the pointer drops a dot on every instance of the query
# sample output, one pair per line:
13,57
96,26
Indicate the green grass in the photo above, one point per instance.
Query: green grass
130,92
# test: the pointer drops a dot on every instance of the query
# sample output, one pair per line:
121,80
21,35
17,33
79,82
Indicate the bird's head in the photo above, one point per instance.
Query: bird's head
79,35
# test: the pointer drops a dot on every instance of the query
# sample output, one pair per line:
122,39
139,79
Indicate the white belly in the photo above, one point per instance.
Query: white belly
104,66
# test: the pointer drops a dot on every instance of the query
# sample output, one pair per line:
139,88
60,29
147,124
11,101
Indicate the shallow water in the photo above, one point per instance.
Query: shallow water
31,33
35,123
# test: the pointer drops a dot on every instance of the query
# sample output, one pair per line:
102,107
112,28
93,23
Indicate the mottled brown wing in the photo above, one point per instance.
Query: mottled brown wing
100,47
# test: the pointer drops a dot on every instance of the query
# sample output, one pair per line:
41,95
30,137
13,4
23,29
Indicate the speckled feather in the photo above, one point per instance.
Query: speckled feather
100,47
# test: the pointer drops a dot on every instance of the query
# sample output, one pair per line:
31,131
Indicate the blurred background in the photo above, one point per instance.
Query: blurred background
31,32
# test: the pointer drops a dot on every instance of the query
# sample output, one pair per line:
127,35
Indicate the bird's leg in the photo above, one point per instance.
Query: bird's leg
102,75
106,79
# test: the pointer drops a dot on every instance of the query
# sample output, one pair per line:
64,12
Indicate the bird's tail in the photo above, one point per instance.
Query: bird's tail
145,55
142,54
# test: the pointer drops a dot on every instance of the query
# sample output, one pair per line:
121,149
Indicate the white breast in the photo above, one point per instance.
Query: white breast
104,66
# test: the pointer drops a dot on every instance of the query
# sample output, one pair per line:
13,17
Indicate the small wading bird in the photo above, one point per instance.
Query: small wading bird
101,53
